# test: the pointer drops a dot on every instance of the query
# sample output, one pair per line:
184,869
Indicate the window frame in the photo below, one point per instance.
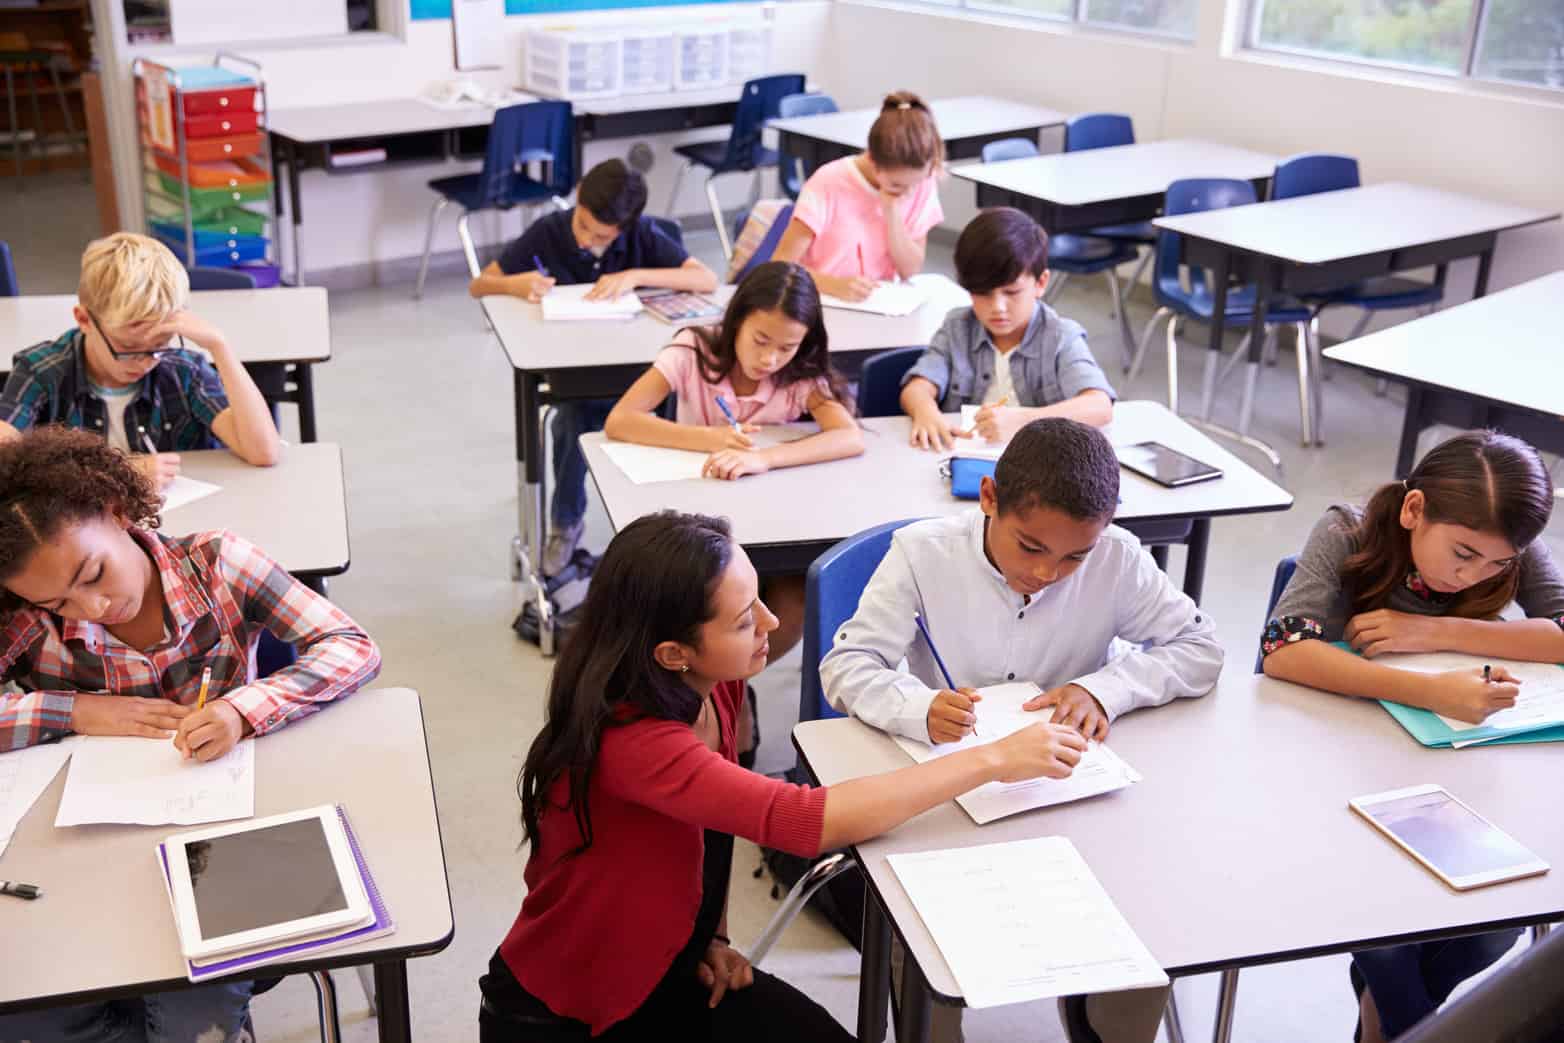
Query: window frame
1076,19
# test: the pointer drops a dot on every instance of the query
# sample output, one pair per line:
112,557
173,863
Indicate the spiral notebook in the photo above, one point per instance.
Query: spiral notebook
382,924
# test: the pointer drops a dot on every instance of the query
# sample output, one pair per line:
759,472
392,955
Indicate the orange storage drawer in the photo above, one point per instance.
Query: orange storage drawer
228,125
214,103
229,174
208,150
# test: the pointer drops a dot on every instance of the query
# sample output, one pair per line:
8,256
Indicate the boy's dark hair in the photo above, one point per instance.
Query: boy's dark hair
613,193
1059,463
996,247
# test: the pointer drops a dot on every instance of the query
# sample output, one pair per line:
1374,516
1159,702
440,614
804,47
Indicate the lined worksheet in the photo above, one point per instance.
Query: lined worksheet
116,778
1026,920
569,304
1540,703
888,298
24,775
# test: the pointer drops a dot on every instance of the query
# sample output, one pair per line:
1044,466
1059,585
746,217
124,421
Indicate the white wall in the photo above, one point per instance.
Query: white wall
379,218
1503,145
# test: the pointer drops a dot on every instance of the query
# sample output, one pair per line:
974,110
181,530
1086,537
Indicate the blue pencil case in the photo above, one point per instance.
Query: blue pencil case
966,476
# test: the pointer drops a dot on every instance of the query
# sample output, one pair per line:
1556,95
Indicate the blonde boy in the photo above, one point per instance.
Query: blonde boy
124,370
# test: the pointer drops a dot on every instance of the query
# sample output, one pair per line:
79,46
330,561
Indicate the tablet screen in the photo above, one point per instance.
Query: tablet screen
1165,465
262,877
1445,832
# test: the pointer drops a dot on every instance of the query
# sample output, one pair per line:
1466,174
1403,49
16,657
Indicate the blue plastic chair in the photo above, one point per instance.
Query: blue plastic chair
536,132
879,382
768,245
759,102
8,286
1313,172
202,278
1176,301
791,172
1108,130
1284,570
1070,254
831,590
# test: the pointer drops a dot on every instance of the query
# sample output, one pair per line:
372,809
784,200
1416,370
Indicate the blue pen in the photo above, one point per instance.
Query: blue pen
537,262
923,628
722,404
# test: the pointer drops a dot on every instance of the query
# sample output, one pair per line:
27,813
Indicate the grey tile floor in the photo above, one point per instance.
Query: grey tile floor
418,395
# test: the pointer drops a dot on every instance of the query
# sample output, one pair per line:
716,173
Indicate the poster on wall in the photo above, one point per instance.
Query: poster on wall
479,29
160,109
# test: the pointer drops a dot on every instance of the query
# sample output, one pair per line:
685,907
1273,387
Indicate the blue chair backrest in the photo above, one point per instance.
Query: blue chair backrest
526,133
1098,130
835,582
879,382
1009,148
8,286
1311,172
768,245
1284,570
221,279
669,227
791,171
273,654
1189,196
759,102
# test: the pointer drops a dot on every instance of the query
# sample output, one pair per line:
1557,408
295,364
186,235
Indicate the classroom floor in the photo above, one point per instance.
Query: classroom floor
418,395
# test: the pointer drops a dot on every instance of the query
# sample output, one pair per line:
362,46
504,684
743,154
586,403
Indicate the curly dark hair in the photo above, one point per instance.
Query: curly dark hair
1059,463
54,475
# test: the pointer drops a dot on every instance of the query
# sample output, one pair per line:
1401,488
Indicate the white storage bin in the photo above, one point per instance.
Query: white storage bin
570,65
702,58
646,63
749,51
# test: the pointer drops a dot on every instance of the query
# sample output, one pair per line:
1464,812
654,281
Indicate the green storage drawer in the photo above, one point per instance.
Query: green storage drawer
206,202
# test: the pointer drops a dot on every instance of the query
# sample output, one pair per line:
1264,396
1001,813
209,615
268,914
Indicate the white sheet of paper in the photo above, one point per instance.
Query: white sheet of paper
652,463
999,714
24,775
975,447
1539,705
115,778
184,489
1024,921
569,304
888,298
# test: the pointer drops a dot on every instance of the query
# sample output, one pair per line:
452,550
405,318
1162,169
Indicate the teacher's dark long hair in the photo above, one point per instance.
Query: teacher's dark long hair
654,584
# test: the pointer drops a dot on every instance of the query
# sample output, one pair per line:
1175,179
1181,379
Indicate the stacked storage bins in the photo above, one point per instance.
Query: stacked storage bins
206,156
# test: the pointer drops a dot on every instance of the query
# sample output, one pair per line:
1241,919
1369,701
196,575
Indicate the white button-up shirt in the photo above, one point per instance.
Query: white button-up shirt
988,633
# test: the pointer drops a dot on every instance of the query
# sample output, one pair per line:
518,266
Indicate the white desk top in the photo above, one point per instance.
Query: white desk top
1503,347
1239,847
105,905
313,124
1332,226
664,100
281,324
1124,172
532,344
893,480
966,117
296,512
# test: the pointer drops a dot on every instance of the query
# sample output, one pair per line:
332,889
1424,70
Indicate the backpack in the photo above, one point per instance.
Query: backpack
840,901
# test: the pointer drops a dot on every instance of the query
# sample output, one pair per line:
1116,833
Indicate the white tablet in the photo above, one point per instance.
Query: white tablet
264,882
1457,844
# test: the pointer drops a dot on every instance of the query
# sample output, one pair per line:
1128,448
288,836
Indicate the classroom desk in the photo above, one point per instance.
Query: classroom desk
1492,362
574,360
893,480
296,512
1315,243
966,124
1237,849
281,326
368,753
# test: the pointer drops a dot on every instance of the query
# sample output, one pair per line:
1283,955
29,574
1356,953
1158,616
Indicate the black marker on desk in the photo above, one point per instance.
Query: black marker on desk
27,891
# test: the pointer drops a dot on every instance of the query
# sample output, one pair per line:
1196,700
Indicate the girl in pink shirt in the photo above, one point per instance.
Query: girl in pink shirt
768,363
865,219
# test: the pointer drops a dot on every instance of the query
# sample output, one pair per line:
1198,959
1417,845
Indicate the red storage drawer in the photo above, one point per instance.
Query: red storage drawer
215,103
227,125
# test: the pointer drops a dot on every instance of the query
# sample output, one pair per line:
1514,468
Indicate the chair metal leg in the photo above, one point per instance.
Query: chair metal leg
464,233
40,142
1539,931
326,1006
423,266
1305,385
1381,387
1170,1018
1126,337
1361,325
1227,998
366,981
1311,334
1246,403
1146,256
820,874
1232,362
1173,363
14,126
678,183
716,215
1056,281
1133,369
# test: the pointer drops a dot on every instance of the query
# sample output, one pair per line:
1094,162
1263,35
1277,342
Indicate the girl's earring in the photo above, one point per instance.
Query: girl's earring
685,668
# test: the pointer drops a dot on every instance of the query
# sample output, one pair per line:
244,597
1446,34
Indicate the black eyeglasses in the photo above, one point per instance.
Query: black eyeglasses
156,354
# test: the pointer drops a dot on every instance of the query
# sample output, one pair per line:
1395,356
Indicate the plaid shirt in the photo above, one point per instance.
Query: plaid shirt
219,591
175,403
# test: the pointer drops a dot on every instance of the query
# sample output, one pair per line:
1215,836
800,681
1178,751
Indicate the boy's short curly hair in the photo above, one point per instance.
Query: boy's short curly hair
1059,463
51,476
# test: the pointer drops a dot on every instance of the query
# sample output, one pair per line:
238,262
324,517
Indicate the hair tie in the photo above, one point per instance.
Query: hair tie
904,104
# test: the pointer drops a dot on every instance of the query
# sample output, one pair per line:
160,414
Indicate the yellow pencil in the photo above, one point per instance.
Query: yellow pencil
1003,401
206,682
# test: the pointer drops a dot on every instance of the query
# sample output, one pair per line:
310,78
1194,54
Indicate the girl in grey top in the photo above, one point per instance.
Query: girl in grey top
1426,566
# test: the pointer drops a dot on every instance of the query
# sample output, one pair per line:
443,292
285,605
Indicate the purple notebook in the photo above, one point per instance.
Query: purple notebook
382,924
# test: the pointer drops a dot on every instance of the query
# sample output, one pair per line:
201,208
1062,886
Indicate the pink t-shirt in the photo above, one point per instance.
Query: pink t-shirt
843,210
697,397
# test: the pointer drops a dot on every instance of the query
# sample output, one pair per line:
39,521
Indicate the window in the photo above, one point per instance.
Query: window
152,21
1162,17
1516,40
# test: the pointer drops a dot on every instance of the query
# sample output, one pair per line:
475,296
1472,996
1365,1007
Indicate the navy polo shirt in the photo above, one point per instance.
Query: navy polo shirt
549,239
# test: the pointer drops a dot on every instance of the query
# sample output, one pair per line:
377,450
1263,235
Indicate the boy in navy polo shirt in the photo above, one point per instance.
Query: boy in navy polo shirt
603,240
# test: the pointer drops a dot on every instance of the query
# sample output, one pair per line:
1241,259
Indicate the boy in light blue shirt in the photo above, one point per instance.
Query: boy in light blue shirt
1009,352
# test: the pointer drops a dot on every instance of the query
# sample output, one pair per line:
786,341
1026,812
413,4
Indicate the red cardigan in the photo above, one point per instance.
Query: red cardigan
598,931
